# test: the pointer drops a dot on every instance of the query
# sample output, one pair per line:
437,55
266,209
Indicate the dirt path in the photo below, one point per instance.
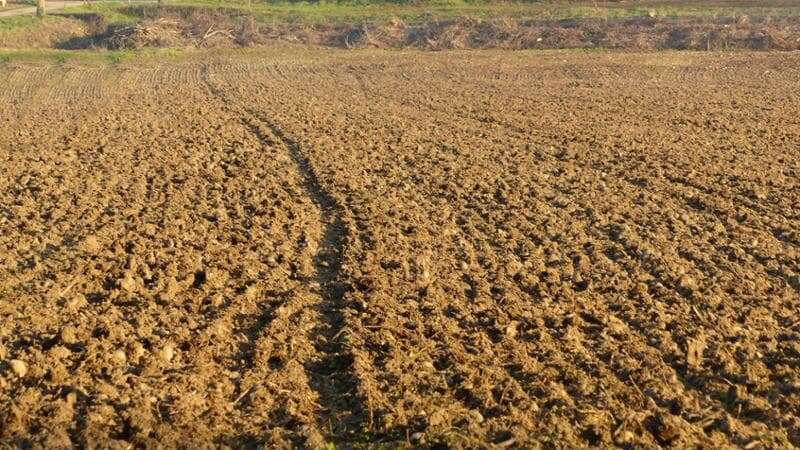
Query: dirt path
294,247
31,10
52,6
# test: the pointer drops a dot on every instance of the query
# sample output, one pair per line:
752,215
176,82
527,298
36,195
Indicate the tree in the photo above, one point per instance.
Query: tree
40,10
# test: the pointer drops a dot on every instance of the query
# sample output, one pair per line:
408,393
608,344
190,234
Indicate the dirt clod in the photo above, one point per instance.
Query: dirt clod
687,283
119,357
128,282
138,352
90,244
68,335
166,353
19,368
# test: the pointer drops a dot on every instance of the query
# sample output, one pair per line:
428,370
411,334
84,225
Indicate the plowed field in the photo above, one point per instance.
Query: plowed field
469,249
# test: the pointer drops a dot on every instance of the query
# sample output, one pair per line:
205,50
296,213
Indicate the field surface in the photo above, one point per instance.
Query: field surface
493,249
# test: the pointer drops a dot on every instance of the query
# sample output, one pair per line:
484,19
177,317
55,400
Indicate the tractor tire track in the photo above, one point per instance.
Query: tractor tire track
329,374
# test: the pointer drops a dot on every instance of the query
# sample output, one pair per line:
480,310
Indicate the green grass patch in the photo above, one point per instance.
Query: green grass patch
15,22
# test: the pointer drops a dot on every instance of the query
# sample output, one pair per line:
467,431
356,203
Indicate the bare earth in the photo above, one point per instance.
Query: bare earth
469,249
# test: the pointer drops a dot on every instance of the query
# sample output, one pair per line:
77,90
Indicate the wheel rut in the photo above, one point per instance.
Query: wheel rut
330,374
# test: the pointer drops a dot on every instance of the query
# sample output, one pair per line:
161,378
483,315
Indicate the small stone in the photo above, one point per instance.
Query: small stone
167,353
477,417
511,330
794,281
69,335
18,367
416,437
119,357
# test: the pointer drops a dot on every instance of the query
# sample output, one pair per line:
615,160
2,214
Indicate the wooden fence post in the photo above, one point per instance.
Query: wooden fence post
40,9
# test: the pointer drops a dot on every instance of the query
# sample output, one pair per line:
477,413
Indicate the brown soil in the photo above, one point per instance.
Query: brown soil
477,249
